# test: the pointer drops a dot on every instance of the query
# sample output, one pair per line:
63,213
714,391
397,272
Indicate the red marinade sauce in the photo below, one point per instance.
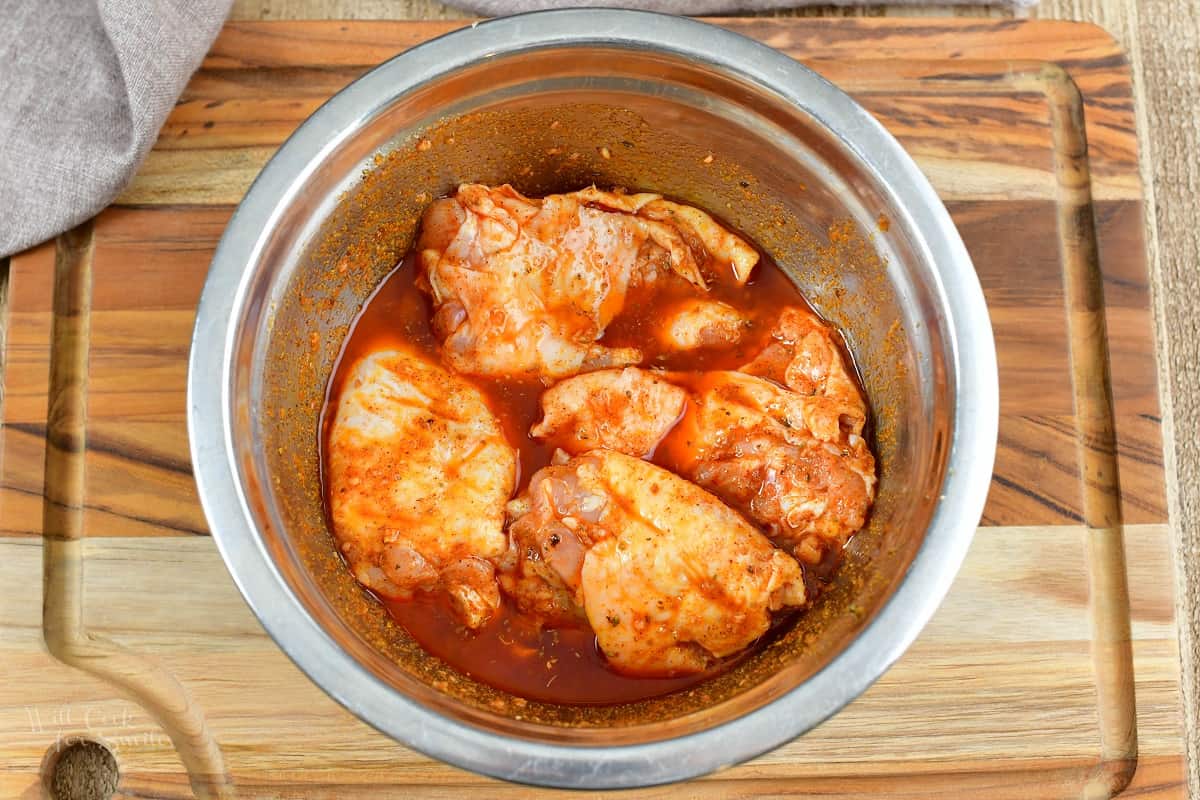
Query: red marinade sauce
512,653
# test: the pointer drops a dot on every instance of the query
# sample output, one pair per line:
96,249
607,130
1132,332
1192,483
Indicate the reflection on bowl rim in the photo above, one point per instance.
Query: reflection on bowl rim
970,453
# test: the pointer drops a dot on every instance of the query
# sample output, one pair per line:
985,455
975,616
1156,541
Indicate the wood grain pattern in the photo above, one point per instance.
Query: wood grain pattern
142,325
1091,379
996,695
296,65
999,696
63,628
1162,37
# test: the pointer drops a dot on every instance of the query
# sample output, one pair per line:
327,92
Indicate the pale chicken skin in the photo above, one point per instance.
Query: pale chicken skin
418,472
748,441
697,322
527,287
690,223
668,577
804,356
630,410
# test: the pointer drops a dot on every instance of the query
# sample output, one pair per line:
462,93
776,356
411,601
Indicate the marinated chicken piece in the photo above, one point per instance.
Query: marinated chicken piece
523,286
669,578
722,246
749,441
696,323
529,577
629,410
418,474
803,355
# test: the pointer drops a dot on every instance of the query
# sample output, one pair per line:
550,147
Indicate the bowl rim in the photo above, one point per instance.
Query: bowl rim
970,453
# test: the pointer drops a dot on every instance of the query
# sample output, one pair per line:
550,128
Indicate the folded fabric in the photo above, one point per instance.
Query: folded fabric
85,86
495,8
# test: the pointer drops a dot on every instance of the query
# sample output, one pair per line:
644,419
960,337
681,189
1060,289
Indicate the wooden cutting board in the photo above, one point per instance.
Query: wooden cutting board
1020,687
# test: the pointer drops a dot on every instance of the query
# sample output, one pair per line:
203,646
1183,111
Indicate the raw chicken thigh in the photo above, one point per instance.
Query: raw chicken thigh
526,287
629,410
749,441
795,460
682,222
803,355
786,449
669,577
418,475
697,323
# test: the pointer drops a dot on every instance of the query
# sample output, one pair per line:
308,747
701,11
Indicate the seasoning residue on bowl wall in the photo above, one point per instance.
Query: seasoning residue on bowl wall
375,226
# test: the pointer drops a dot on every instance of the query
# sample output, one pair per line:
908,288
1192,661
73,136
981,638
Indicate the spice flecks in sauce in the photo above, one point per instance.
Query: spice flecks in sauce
510,652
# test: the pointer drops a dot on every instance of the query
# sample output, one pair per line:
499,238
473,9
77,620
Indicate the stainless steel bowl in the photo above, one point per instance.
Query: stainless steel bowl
552,101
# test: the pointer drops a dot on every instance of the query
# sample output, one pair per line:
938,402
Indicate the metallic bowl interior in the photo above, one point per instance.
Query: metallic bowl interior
614,99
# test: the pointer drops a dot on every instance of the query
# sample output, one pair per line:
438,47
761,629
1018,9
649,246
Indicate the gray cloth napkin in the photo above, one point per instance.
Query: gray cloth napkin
85,86
495,8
